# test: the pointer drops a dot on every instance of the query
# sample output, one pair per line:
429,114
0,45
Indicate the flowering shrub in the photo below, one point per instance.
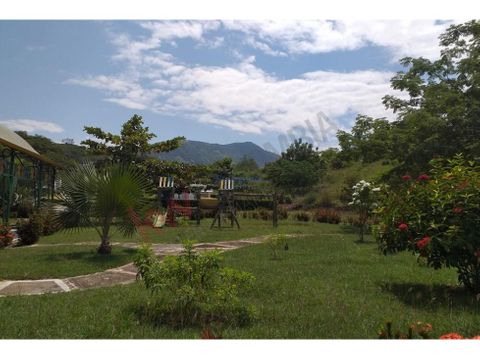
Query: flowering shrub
418,330
6,236
364,202
438,217
327,216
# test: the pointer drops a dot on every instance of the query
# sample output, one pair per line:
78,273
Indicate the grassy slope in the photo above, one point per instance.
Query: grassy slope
335,179
325,286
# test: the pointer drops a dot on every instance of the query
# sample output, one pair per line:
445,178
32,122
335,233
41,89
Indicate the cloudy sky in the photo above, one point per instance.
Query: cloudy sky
215,81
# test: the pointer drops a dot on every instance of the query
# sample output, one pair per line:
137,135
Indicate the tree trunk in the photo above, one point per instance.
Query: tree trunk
105,248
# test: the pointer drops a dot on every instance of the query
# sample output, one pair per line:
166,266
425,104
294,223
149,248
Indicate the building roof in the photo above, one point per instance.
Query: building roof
14,141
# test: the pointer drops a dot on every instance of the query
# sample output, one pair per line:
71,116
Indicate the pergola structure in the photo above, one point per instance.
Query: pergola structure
19,160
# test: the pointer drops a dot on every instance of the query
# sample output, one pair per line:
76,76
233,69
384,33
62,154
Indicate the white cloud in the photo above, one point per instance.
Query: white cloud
32,125
242,96
400,37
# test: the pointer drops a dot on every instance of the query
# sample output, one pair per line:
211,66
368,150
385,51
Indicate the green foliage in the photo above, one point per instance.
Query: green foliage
437,217
63,154
277,243
364,197
223,168
193,289
29,231
131,145
298,170
91,197
369,140
246,167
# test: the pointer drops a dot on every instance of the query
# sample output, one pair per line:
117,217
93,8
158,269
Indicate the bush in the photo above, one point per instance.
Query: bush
49,224
302,216
327,216
310,199
193,289
6,236
265,214
29,231
437,217
277,243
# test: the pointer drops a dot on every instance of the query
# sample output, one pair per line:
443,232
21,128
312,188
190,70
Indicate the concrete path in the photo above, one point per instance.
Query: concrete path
125,274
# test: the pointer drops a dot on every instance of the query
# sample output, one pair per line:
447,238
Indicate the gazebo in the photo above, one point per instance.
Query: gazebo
20,161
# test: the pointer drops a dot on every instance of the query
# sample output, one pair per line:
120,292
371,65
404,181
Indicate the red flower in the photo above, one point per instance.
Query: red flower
476,337
457,210
423,177
403,227
424,242
451,336
406,177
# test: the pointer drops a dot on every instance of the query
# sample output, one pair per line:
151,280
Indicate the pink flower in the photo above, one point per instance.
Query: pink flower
457,210
403,227
406,177
423,177
424,242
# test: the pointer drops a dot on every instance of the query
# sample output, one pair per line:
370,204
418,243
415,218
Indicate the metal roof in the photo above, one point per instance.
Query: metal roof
14,141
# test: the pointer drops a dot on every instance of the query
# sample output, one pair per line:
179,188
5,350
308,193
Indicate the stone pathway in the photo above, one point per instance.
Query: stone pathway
125,274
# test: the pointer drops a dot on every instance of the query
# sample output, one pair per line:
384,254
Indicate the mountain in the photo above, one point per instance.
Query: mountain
197,152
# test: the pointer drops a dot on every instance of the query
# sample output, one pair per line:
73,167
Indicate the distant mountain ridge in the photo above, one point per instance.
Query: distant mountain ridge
198,152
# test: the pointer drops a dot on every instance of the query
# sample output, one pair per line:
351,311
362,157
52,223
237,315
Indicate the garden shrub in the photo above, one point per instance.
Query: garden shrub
327,216
29,231
6,236
49,223
364,197
193,289
436,216
302,216
277,243
265,214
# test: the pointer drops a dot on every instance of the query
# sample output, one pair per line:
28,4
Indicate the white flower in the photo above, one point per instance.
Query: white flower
376,189
351,203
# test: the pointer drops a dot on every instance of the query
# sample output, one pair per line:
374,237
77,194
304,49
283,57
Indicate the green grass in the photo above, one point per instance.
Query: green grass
331,186
324,286
58,261
202,233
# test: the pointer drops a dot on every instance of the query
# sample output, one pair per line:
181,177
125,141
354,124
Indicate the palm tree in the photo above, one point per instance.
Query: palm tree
95,198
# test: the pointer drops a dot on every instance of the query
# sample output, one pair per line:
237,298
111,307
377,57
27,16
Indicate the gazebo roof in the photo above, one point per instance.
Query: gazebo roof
14,141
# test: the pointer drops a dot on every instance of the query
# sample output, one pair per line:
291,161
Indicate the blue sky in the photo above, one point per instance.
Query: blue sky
215,81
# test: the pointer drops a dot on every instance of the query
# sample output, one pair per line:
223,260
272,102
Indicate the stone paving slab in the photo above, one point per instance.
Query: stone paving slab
31,287
102,279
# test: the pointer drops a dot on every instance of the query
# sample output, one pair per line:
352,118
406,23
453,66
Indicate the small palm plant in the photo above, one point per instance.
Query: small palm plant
90,197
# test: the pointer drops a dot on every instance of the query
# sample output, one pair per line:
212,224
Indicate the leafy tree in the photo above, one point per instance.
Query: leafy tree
246,167
131,145
223,168
441,115
368,141
90,197
298,169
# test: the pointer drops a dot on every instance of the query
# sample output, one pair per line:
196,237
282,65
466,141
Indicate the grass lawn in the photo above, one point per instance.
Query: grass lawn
58,261
202,233
324,287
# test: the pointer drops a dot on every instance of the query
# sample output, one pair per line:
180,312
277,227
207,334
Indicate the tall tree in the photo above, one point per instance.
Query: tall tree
297,170
441,115
131,145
